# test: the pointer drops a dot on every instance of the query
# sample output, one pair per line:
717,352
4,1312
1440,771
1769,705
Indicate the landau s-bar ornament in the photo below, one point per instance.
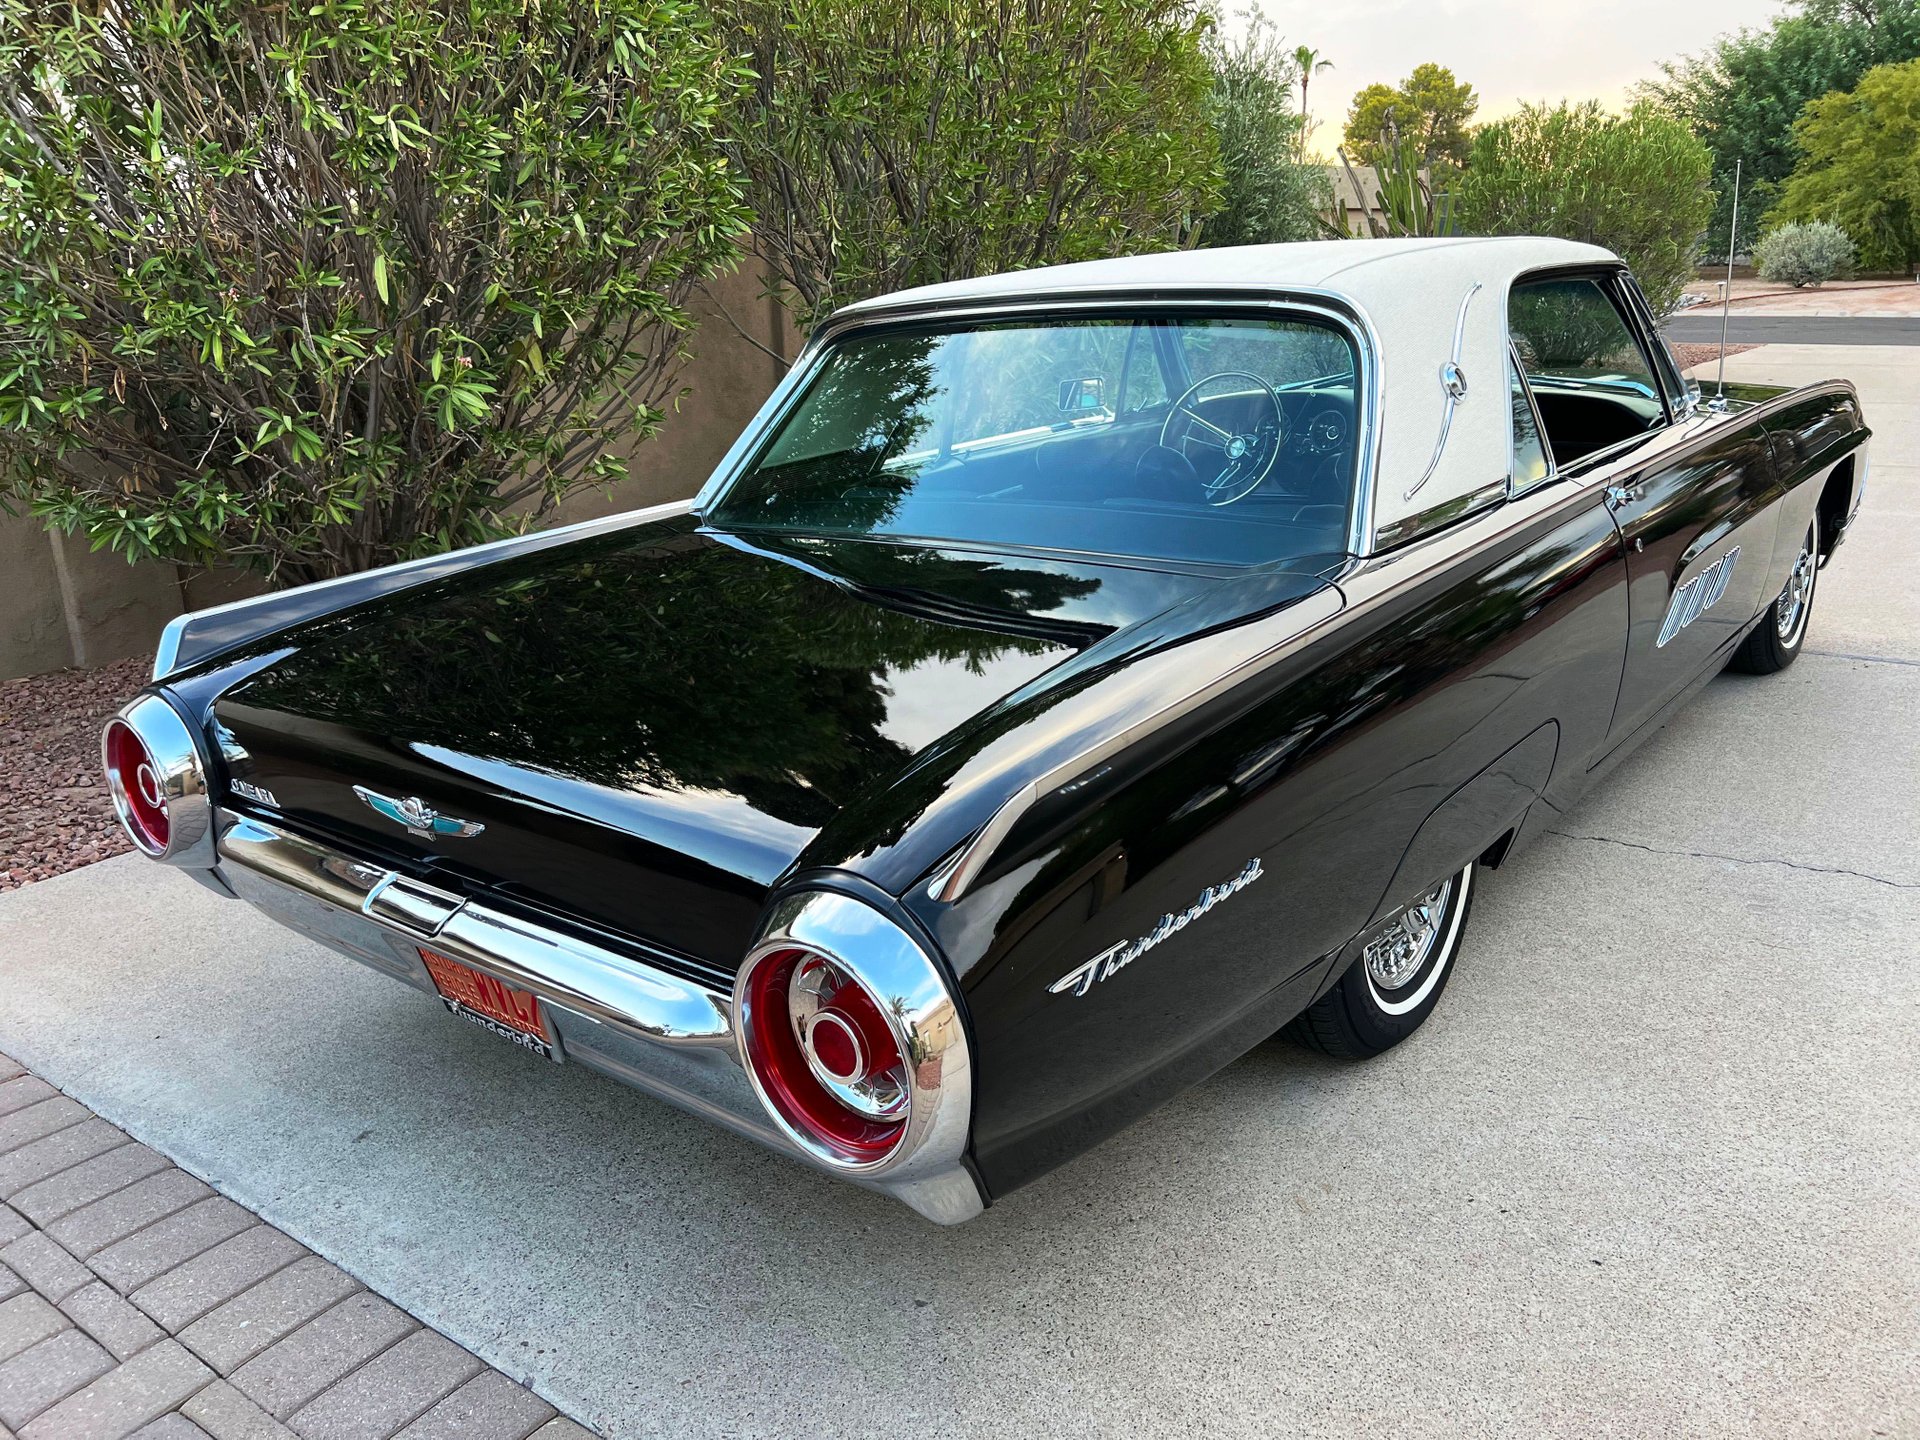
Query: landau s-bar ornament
1111,961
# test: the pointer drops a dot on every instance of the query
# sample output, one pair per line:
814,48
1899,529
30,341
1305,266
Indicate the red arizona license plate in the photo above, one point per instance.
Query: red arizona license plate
506,1010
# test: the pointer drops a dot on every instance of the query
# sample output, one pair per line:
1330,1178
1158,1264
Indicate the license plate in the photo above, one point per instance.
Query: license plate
495,1006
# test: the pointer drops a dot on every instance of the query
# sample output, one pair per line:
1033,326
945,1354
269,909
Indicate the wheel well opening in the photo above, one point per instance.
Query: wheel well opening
1835,502
1494,854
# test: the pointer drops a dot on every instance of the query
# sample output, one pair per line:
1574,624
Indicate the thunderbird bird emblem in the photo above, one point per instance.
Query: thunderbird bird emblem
419,817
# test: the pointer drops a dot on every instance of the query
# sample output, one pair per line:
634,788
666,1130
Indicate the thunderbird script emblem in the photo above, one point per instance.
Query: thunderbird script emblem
419,817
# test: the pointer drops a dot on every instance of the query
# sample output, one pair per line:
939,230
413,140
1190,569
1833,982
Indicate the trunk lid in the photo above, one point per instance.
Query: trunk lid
641,733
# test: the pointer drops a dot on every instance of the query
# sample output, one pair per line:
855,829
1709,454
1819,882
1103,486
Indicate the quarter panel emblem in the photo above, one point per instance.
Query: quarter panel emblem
1699,594
419,817
1115,958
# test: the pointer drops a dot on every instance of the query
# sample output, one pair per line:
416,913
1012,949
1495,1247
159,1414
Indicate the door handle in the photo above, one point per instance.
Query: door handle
1625,494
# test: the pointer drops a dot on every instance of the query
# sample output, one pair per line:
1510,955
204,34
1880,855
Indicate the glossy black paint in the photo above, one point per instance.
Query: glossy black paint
662,726
654,726
1425,728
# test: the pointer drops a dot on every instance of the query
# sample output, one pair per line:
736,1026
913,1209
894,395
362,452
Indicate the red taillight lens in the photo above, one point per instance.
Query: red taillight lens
135,781
825,1054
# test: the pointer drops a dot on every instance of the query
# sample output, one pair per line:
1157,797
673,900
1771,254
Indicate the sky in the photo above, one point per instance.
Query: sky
1510,51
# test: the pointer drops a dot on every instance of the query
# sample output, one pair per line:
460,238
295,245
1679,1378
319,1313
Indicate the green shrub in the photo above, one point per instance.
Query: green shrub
1803,253
890,145
1860,166
310,288
1635,183
1270,194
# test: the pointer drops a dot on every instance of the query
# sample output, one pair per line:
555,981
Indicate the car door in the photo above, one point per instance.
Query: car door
1691,491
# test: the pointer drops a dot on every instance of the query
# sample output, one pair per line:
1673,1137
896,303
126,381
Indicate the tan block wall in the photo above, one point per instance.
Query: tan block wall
66,606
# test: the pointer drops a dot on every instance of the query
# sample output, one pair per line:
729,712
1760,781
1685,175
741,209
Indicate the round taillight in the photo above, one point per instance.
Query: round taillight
827,1058
139,794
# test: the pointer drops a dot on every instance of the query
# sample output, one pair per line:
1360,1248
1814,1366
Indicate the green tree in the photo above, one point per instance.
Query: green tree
1429,109
1860,166
309,289
1635,183
1743,95
1270,194
891,144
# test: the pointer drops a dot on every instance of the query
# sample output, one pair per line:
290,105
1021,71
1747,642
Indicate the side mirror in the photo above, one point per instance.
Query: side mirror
1086,396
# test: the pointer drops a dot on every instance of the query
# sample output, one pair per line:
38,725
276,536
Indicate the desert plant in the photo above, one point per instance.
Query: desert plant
1404,201
1635,183
1802,253
1860,166
1269,194
311,288
890,144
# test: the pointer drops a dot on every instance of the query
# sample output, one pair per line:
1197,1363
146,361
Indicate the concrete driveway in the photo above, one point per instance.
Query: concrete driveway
1652,1168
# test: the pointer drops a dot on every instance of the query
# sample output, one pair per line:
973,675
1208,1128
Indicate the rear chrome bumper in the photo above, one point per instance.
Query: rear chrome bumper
668,1036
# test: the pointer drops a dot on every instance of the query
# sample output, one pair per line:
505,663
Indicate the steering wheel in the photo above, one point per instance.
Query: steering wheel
1231,463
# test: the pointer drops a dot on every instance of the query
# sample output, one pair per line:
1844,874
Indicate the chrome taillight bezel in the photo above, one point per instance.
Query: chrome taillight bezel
180,771
912,992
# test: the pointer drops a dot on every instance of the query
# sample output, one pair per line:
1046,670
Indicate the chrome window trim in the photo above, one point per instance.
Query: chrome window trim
1349,318
1583,470
1447,512
1539,428
1680,396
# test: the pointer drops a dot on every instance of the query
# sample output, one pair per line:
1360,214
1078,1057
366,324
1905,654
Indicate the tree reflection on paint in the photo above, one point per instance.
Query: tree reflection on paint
677,662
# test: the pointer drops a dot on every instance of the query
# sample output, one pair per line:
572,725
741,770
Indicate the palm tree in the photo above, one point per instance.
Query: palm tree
1308,61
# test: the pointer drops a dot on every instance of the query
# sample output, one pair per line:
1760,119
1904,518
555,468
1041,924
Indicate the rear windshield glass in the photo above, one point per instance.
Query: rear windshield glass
1222,440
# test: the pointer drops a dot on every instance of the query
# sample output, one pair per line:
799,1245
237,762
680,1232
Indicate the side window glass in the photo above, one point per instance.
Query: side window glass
1016,384
1146,384
1594,384
1530,465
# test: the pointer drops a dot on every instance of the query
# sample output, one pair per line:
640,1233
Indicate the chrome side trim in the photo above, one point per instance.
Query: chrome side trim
182,777
1438,517
1453,382
202,634
617,991
1157,674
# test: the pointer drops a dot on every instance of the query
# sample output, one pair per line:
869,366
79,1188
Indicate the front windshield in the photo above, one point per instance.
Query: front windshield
1221,440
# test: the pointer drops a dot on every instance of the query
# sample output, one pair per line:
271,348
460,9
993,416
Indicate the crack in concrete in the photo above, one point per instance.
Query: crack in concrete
1739,859
1870,659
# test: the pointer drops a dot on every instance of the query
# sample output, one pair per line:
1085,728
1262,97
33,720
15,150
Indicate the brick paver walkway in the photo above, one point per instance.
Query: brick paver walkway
136,1302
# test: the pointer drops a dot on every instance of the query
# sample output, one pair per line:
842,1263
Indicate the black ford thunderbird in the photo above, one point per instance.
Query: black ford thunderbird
1068,681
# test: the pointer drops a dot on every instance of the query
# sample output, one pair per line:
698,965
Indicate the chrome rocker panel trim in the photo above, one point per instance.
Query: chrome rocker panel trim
670,1037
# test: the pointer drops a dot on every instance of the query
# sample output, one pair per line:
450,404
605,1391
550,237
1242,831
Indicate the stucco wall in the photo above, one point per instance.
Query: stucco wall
64,605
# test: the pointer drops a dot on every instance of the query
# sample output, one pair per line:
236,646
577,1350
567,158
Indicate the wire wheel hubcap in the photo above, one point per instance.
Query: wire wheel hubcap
1402,949
1791,612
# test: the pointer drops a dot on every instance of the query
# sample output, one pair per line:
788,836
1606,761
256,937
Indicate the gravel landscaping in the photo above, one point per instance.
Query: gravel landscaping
1690,355
57,817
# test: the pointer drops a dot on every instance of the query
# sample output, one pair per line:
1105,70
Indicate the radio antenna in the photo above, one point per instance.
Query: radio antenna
1726,293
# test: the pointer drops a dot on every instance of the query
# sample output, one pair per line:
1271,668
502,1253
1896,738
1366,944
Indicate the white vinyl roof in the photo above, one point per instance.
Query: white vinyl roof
1409,292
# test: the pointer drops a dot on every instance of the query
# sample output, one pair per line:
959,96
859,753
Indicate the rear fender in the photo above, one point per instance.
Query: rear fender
1472,819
